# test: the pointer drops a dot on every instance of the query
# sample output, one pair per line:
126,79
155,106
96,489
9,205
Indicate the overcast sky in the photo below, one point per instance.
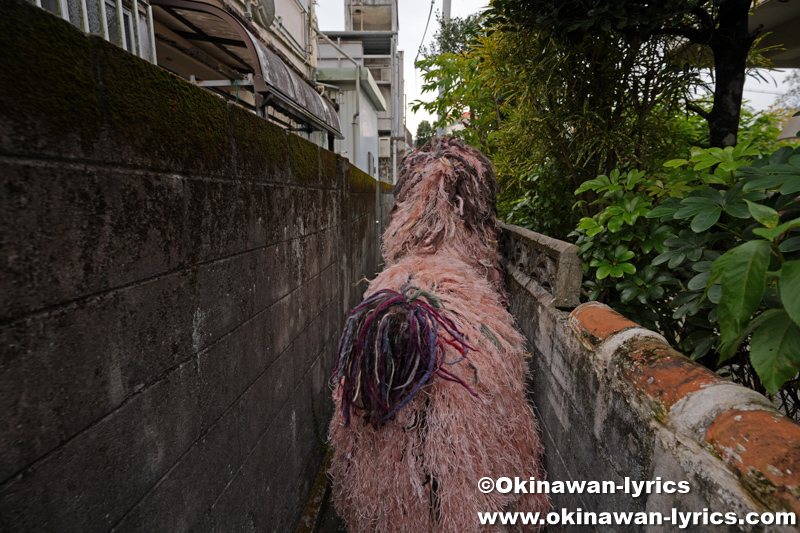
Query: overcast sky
413,17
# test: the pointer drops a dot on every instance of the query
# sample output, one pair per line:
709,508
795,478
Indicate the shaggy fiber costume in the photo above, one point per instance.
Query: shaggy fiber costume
430,381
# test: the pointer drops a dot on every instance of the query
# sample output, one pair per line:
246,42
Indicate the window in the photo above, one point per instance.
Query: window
54,6
113,19
123,38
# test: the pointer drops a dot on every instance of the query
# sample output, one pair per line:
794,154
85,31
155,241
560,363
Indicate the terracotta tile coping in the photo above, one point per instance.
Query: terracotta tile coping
762,446
594,323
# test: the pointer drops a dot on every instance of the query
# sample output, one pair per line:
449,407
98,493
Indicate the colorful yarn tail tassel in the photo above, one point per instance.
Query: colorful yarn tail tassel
392,346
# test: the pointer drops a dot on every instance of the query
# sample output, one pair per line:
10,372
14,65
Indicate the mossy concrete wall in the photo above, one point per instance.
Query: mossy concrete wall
615,402
174,275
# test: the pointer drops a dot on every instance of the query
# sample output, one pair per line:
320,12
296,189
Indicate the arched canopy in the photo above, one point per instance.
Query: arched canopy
277,84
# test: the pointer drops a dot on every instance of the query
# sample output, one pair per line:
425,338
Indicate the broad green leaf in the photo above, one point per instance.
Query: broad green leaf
712,179
769,234
628,268
730,196
675,163
773,234
790,289
718,153
659,212
594,231
703,155
714,195
775,350
698,343
791,244
615,223
626,256
629,294
663,257
764,214
689,309
706,219
791,186
714,294
780,169
684,298
676,242
767,182
702,266
593,184
699,281
729,345
692,210
603,271
677,259
656,292
738,210
743,281
705,164
699,200
781,155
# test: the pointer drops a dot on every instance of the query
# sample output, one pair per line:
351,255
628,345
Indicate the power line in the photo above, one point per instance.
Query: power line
775,93
424,33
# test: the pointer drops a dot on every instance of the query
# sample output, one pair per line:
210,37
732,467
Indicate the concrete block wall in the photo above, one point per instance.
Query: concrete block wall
174,275
614,401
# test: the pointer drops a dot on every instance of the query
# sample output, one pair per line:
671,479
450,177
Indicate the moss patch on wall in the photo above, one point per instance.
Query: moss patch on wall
261,146
46,75
161,115
330,163
360,181
304,157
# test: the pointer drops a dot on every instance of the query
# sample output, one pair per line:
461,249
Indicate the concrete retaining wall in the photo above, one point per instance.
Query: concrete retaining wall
615,402
174,276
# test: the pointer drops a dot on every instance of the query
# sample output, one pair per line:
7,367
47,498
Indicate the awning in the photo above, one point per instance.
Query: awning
219,33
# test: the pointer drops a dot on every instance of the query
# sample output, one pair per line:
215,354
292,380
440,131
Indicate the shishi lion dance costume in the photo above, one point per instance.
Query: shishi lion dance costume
430,379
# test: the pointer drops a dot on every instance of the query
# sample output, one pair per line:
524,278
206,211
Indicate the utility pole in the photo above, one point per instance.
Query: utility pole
445,20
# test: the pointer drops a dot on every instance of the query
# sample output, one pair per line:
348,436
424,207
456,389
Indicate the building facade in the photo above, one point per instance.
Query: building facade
369,44
343,91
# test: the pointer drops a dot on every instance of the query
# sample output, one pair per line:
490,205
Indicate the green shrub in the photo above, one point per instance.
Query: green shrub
707,253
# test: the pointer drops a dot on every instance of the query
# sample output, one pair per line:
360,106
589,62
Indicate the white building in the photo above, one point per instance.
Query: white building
369,44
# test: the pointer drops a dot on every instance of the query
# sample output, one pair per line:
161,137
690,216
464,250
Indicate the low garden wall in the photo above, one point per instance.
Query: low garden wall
616,403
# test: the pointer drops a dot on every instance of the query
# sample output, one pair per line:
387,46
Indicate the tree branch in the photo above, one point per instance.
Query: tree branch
756,32
699,110
696,36
705,18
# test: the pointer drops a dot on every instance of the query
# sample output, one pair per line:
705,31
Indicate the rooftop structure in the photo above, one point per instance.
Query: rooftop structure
370,42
